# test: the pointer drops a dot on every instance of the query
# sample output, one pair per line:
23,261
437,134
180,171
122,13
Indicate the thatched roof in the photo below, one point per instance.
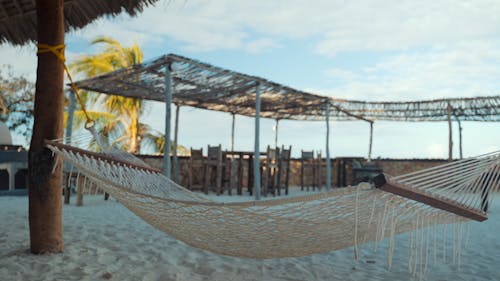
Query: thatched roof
206,86
18,17
485,109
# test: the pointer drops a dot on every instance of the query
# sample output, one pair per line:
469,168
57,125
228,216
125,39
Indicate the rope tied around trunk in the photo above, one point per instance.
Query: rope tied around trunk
58,51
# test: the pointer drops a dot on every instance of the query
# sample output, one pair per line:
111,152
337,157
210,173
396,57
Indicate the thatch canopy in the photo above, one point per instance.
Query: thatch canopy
485,109
206,86
18,17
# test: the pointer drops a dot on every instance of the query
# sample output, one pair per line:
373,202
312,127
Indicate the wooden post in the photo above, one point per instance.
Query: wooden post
69,132
232,177
450,133
168,101
232,130
71,111
67,189
176,131
371,142
44,172
328,164
276,133
460,137
256,159
79,191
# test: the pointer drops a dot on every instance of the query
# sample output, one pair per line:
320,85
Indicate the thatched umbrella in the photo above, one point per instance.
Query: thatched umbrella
45,21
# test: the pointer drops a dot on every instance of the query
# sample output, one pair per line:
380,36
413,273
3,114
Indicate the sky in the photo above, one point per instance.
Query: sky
364,50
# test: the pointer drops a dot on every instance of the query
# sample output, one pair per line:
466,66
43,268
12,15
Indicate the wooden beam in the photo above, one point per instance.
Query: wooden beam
386,184
100,156
348,113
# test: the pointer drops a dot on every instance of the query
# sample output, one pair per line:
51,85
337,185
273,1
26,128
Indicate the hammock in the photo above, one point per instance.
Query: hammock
294,226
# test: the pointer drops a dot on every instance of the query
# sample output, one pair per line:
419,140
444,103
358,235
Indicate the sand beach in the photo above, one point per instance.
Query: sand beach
105,241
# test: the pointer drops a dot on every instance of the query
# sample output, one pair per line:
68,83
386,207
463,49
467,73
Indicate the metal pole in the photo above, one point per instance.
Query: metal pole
276,133
328,164
168,101
233,162
71,111
176,130
69,132
460,137
232,131
256,159
450,137
459,133
371,142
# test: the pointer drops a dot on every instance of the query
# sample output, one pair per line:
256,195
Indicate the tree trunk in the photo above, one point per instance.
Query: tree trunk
135,142
45,192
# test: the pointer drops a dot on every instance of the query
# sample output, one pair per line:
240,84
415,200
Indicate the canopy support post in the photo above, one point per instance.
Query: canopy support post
69,132
459,134
276,133
450,135
174,152
328,164
168,101
256,159
71,112
460,137
371,142
232,130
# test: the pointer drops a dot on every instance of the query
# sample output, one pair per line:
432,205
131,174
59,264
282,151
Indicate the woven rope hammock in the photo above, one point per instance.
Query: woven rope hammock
294,226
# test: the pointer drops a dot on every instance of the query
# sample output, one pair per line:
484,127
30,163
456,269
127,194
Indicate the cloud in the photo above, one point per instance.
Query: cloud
399,25
199,25
437,48
464,69
332,26
22,59
117,28
335,26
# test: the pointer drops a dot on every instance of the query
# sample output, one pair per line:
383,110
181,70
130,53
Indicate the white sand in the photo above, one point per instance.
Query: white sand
104,237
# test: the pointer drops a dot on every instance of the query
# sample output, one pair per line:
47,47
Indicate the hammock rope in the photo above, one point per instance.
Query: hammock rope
289,226
58,51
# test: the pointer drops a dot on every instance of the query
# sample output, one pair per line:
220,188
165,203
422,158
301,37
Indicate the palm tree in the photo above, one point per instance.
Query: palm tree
126,110
157,141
